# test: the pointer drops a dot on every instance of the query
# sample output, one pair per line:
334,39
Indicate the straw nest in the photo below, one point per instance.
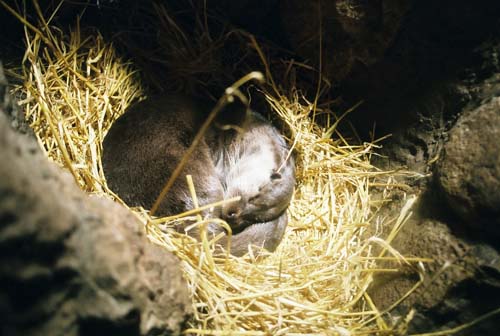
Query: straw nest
74,87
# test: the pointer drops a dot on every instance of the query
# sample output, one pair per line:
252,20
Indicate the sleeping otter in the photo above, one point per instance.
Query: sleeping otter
249,159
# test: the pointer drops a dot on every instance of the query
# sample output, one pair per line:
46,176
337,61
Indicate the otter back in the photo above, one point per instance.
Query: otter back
145,145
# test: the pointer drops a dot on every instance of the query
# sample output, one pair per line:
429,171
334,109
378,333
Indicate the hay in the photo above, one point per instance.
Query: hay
315,283
73,89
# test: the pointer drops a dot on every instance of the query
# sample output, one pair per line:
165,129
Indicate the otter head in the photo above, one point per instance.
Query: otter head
264,192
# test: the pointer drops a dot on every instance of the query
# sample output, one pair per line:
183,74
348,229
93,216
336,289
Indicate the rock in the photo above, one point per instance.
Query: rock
251,15
426,69
461,283
71,264
454,222
8,106
469,170
431,239
353,31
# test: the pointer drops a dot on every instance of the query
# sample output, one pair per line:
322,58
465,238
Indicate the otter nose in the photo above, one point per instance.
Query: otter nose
231,212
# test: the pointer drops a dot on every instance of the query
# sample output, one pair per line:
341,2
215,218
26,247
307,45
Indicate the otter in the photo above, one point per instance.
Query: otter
255,165
249,159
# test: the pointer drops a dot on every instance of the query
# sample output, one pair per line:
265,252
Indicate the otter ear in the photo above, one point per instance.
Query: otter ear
275,176
233,114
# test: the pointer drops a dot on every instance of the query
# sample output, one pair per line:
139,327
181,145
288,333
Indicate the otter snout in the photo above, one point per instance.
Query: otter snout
231,213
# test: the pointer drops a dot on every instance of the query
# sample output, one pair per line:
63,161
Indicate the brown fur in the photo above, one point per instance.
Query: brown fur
145,145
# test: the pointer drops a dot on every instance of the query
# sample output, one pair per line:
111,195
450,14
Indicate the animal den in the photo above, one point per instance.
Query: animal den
335,243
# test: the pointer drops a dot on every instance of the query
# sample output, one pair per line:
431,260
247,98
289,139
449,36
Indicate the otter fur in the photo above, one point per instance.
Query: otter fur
240,155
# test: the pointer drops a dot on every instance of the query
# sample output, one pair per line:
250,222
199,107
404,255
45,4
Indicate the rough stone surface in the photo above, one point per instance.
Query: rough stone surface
469,169
429,70
71,264
460,284
452,144
10,109
354,32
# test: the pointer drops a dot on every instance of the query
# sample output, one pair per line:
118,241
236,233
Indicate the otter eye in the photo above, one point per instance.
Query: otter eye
275,176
